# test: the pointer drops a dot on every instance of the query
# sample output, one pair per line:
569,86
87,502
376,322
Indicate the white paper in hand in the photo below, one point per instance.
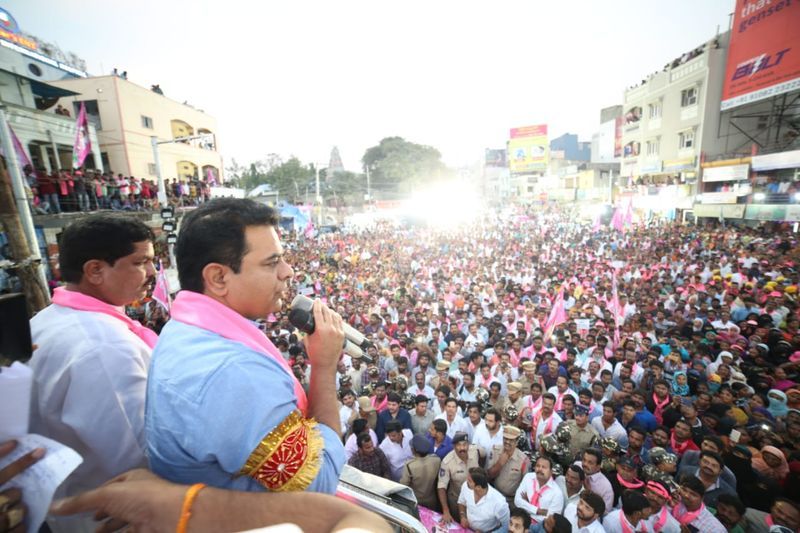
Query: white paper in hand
40,481
15,400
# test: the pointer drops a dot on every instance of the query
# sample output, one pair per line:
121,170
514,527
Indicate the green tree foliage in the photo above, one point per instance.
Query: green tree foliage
396,165
288,178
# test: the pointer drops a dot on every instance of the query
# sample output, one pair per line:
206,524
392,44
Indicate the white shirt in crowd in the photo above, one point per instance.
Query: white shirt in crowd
561,481
398,453
483,439
547,426
612,523
571,514
489,514
615,431
670,526
458,424
471,430
550,497
344,415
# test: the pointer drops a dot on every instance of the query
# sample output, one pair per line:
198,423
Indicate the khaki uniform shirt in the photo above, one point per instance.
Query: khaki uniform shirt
453,473
581,438
512,472
420,474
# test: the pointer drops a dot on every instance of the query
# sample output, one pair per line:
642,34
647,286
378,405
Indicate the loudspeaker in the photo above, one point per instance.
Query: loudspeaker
15,329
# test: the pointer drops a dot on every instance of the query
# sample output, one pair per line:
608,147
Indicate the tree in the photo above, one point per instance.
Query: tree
291,178
397,165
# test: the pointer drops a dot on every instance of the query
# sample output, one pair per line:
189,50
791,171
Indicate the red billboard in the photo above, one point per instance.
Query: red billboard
764,51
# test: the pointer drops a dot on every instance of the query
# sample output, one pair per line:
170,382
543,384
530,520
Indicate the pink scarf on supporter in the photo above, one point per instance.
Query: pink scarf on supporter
206,313
82,302
537,492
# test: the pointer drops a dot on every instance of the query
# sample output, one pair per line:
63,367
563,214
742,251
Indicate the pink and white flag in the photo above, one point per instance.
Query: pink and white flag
22,157
83,145
558,315
161,290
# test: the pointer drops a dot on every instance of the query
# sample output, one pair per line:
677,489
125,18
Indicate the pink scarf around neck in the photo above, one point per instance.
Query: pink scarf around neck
83,302
206,313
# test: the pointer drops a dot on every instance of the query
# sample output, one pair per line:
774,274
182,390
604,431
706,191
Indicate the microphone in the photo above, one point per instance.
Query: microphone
301,317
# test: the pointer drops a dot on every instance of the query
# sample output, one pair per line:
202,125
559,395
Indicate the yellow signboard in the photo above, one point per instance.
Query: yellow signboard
528,150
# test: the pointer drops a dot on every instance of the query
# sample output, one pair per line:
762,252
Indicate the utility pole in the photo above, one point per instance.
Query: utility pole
15,213
27,261
369,192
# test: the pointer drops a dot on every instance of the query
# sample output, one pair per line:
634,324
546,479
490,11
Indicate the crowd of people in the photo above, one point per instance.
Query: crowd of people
680,385
529,372
85,190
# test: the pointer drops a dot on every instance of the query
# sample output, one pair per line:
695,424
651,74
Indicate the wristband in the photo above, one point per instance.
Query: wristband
186,510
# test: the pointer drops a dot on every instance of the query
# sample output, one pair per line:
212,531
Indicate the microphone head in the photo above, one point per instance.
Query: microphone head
302,319
302,302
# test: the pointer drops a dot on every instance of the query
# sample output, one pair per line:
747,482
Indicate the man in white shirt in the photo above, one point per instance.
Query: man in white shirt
538,493
585,514
90,365
481,506
571,484
546,420
474,421
348,411
397,447
608,425
561,390
491,433
661,519
635,508
455,422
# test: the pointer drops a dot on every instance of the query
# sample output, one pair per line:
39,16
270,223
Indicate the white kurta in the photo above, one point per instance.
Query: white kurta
90,377
398,454
550,497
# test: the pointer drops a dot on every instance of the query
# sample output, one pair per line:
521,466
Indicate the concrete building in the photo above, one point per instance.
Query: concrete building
28,71
669,120
569,148
126,117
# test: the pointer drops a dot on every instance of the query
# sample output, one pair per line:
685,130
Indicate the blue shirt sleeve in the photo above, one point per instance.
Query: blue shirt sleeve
246,406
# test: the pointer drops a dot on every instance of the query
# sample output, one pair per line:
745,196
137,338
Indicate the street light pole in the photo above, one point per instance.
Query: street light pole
162,192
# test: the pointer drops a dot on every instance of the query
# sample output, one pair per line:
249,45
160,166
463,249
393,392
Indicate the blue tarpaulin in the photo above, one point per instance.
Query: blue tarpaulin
300,218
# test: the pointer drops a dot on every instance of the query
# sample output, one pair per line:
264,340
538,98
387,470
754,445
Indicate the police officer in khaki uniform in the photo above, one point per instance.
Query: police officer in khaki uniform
420,472
506,464
453,474
442,374
528,376
515,398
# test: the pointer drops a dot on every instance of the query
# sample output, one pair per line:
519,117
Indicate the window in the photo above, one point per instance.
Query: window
686,139
653,147
654,110
147,122
689,97
151,168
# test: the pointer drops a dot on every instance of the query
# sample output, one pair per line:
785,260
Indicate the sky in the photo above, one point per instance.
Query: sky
297,77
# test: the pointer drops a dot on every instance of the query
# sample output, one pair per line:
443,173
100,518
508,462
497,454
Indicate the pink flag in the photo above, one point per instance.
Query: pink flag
309,231
617,220
83,145
558,315
210,177
161,290
22,157
628,218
